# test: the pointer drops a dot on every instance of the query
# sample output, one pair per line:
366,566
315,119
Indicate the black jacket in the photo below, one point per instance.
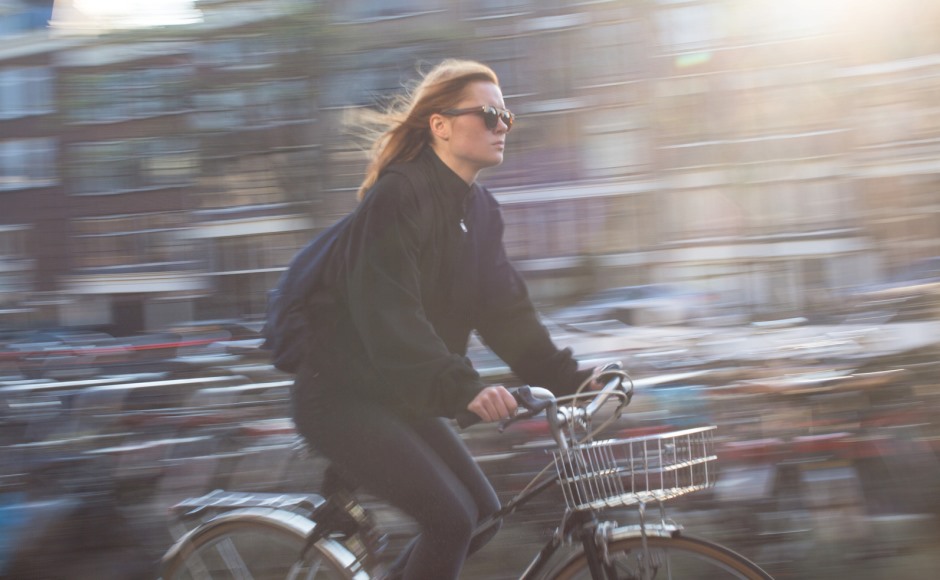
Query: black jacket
420,265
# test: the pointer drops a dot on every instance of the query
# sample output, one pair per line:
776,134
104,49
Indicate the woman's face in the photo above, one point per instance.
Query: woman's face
464,142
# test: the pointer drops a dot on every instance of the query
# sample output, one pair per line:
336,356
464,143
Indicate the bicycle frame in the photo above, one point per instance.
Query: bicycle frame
584,521
550,547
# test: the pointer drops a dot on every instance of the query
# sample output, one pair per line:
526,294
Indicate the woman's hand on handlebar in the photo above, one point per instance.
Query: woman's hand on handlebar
595,384
493,404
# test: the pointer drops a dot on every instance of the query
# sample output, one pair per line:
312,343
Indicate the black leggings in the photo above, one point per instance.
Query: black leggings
421,467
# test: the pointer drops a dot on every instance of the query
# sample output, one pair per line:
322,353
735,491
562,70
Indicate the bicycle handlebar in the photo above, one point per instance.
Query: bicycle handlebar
534,400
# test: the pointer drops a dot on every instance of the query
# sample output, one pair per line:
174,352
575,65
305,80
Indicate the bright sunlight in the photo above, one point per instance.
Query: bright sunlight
96,16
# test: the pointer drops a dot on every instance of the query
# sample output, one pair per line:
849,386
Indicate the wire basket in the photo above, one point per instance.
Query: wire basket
620,472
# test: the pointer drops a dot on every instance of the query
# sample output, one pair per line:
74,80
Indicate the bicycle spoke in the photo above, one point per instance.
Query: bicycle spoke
233,560
249,550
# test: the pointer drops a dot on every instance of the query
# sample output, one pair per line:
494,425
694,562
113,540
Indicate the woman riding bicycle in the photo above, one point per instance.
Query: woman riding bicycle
418,266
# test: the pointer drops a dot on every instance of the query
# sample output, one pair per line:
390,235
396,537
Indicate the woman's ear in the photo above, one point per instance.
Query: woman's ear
440,126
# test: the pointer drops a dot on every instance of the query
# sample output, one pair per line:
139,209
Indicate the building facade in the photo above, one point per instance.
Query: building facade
771,154
32,217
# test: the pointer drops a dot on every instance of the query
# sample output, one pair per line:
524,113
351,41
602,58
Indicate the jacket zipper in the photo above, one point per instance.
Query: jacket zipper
464,205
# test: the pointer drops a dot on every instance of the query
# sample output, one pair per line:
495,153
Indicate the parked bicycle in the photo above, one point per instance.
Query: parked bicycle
309,536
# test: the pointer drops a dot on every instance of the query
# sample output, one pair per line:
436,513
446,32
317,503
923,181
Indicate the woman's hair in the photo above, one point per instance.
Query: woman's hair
404,127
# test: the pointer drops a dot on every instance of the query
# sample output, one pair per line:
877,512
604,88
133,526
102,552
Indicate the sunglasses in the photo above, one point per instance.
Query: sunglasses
491,115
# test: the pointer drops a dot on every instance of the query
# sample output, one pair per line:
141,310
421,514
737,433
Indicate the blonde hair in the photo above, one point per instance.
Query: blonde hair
404,127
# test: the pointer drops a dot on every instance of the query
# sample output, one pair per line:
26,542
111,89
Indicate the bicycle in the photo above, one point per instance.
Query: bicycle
332,536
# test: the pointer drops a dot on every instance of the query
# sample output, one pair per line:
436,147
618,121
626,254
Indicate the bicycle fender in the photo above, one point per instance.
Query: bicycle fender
284,519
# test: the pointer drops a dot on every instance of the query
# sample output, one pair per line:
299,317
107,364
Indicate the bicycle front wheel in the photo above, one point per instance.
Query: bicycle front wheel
261,545
679,558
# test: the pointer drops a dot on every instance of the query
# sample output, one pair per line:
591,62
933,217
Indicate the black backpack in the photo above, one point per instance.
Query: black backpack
286,329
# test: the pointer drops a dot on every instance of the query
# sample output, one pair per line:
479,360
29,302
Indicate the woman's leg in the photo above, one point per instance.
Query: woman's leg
448,445
440,436
393,460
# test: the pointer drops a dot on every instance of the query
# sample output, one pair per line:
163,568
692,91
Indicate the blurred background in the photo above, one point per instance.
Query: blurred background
739,198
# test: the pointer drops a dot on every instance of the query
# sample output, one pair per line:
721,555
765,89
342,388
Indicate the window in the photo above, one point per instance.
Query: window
125,240
613,53
688,26
688,110
493,8
113,167
702,213
553,62
824,204
15,267
616,142
346,169
27,163
244,181
759,21
219,110
257,252
779,211
506,56
785,100
364,11
13,242
127,94
543,149
246,52
254,105
25,91
379,76
628,223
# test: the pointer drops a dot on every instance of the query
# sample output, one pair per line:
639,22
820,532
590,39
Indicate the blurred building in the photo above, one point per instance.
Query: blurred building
768,153
169,171
32,217
254,117
129,165
725,145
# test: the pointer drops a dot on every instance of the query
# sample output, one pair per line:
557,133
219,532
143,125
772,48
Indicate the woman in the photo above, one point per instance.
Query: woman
417,267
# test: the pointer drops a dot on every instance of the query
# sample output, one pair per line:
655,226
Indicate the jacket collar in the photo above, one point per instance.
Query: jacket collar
450,182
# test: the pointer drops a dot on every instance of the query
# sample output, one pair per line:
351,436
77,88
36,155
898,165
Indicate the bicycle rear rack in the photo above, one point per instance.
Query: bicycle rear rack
219,501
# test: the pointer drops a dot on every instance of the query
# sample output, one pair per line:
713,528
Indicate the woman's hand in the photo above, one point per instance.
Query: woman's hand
595,384
493,404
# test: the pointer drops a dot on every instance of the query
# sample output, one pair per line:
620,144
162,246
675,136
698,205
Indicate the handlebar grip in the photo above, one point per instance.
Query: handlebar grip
529,406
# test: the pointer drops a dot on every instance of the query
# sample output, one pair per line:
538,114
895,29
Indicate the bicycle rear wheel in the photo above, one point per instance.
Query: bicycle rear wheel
257,544
679,558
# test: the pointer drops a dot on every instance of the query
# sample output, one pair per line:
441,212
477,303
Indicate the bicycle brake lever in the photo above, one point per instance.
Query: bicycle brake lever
527,401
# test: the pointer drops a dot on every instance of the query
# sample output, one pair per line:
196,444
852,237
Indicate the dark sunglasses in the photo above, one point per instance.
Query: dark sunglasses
491,115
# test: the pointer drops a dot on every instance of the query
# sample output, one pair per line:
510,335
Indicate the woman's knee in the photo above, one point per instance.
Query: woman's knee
487,506
482,537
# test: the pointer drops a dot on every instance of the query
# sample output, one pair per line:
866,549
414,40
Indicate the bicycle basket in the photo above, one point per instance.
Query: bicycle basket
620,472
